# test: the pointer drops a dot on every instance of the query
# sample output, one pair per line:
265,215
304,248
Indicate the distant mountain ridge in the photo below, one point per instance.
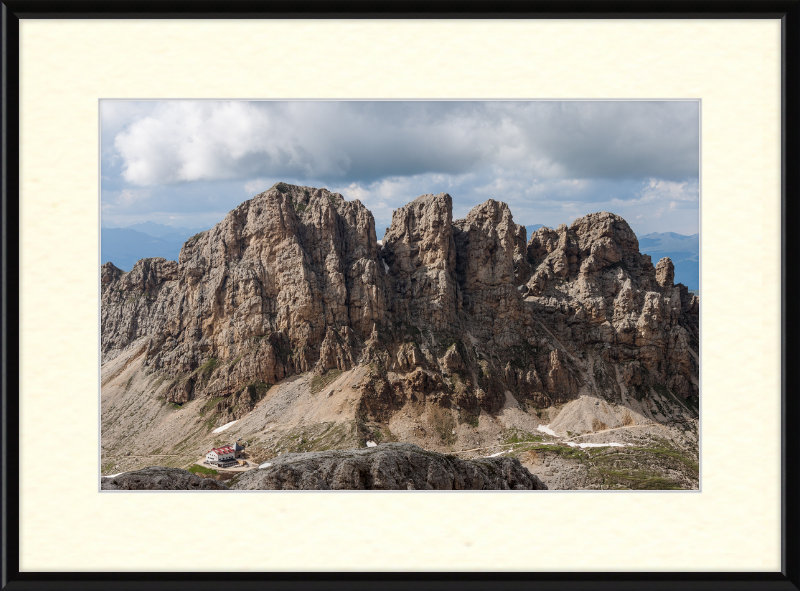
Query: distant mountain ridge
125,246
683,250
533,228
164,231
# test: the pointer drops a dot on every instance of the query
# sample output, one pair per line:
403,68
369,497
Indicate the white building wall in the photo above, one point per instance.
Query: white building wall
216,457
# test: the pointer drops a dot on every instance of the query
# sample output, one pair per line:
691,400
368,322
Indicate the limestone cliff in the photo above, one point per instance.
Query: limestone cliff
460,313
289,280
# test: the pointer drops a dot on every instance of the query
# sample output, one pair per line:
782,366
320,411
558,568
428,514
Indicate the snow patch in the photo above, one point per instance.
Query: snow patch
113,475
265,465
225,426
547,429
385,266
371,444
500,453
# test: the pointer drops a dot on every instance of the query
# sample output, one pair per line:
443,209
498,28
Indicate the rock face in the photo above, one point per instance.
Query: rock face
592,290
486,245
461,313
420,256
157,478
288,280
391,466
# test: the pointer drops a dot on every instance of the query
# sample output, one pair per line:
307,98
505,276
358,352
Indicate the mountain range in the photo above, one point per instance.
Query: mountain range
683,250
289,326
125,246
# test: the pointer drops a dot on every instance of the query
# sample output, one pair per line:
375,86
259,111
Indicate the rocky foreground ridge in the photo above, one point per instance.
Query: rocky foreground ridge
159,478
462,317
392,466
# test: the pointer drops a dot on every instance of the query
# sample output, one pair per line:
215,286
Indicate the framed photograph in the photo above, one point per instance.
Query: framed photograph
451,353
329,299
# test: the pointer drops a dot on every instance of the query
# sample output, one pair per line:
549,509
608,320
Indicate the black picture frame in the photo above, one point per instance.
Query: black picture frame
14,10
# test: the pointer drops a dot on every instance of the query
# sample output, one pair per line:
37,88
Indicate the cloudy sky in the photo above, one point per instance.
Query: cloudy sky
187,163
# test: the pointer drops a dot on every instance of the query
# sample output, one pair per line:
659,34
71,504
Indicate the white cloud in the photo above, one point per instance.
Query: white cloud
660,189
189,141
124,199
257,186
182,141
550,161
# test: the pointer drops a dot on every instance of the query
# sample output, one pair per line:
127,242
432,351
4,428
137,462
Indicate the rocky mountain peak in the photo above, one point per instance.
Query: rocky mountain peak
420,257
461,312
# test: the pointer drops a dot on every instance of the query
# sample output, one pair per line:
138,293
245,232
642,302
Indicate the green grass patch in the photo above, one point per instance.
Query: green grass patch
637,480
519,436
211,403
380,434
672,453
318,382
565,451
197,469
208,368
319,437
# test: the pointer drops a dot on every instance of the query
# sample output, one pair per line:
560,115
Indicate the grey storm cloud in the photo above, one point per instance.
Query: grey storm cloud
187,163
164,143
